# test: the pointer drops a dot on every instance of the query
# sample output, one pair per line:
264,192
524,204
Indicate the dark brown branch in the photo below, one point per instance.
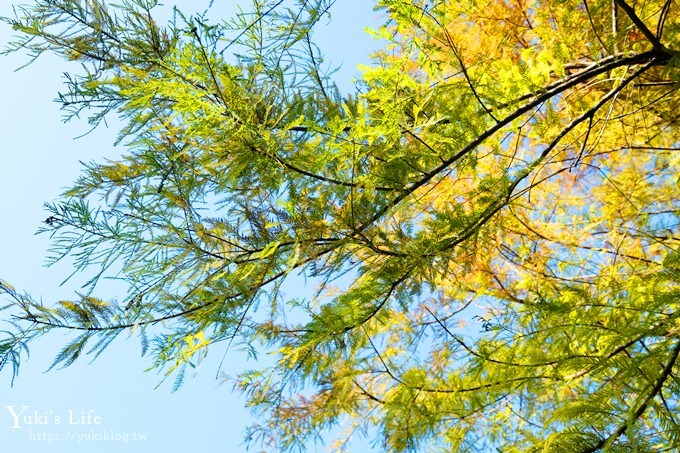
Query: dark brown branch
367,394
464,71
250,26
593,27
309,174
658,386
662,18
630,12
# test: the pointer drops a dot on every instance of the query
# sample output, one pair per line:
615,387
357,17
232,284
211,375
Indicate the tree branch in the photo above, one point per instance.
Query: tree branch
641,409
653,39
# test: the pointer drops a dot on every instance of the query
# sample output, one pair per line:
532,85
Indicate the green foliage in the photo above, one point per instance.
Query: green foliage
490,222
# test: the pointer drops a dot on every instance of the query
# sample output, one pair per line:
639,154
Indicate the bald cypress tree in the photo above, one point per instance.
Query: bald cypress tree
489,225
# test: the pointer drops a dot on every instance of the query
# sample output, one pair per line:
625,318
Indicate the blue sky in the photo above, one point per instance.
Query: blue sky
94,406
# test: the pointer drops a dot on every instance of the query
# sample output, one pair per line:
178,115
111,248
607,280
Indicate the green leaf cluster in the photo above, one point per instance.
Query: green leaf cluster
488,225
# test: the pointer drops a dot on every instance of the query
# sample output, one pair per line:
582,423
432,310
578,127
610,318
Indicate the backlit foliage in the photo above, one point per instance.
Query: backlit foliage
487,229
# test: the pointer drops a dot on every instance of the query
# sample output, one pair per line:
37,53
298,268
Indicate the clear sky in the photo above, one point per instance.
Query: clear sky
109,405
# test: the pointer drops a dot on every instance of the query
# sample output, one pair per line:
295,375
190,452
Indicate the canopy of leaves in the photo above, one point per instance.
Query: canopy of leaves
489,224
